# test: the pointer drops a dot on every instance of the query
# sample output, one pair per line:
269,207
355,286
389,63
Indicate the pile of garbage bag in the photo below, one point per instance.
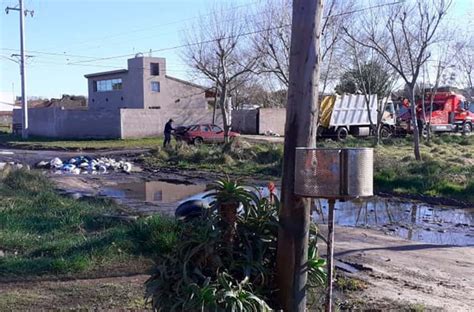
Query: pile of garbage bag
85,165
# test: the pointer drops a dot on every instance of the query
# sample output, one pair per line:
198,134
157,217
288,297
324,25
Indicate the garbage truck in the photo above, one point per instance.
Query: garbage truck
450,113
348,114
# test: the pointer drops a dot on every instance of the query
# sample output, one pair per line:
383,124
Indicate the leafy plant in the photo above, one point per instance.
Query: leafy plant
204,272
229,195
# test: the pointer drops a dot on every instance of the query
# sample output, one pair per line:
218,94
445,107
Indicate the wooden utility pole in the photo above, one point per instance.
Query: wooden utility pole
300,131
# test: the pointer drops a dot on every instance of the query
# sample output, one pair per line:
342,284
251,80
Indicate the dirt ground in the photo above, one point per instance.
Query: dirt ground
432,277
397,273
112,293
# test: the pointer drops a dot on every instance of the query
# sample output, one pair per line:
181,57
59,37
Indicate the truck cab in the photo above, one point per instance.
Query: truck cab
450,112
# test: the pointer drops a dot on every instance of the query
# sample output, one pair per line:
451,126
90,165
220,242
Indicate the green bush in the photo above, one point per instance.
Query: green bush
204,271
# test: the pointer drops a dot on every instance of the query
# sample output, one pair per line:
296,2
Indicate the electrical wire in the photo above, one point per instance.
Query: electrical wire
231,36
95,59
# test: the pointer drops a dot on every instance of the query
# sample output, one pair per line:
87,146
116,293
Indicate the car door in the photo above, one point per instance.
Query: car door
218,134
206,133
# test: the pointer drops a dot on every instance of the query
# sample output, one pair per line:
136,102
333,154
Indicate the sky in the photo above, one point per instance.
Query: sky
79,30
63,32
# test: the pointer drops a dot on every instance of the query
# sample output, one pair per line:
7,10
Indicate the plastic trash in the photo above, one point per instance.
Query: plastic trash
102,169
56,163
127,167
68,167
86,165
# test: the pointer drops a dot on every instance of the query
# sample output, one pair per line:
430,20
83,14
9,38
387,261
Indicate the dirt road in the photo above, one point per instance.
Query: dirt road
125,293
438,277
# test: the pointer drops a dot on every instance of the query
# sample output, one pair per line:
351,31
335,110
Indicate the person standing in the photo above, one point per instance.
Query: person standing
168,129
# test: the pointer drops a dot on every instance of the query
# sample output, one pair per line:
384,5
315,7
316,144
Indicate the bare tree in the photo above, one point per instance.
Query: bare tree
465,60
273,38
402,35
219,48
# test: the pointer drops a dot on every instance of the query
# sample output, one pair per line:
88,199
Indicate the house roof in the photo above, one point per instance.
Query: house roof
187,82
118,71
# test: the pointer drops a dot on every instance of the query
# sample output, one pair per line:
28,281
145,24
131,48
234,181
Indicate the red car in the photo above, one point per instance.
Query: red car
205,133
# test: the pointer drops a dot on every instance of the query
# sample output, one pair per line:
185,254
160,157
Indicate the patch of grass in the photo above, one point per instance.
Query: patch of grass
78,144
447,169
236,158
43,232
345,284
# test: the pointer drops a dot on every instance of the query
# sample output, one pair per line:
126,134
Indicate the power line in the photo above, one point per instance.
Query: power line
51,53
95,58
231,36
121,34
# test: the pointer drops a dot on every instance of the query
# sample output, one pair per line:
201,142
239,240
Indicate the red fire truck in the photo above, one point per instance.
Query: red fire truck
450,113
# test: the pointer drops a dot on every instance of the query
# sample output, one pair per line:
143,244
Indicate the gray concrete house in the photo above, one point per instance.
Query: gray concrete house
132,102
144,84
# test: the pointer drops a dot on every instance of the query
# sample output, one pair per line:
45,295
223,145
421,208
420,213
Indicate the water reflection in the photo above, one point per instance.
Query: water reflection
157,192
410,220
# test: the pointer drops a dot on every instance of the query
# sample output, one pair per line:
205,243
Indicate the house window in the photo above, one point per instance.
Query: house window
154,69
155,86
108,85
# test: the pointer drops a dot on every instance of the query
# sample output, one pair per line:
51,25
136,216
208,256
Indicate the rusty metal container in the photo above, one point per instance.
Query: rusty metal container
334,173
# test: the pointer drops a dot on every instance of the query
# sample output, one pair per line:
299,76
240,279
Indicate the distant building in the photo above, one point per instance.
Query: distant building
125,103
144,84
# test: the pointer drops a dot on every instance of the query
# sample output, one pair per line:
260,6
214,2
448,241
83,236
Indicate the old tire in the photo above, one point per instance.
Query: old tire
466,128
342,134
198,141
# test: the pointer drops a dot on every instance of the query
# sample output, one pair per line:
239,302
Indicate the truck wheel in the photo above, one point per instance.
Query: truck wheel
198,141
341,134
466,128
385,133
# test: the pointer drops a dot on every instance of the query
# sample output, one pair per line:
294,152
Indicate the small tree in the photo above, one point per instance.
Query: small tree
218,48
402,36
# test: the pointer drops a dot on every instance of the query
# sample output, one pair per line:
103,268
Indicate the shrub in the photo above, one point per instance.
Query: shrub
205,271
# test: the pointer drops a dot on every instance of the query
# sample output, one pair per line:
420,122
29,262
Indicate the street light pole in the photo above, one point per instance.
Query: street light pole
24,102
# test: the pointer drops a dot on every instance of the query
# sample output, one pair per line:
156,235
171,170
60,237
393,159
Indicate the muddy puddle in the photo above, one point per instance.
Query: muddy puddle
410,220
396,217
160,196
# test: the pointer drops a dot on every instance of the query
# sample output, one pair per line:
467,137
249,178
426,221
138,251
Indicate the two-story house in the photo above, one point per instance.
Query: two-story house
125,103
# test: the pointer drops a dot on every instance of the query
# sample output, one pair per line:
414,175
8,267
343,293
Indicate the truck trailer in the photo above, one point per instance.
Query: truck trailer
349,114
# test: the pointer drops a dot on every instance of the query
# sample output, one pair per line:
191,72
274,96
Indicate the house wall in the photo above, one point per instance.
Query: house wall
137,91
272,119
137,123
111,99
58,123
177,94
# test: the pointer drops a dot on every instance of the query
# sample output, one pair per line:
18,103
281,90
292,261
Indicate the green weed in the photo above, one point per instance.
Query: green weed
43,232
